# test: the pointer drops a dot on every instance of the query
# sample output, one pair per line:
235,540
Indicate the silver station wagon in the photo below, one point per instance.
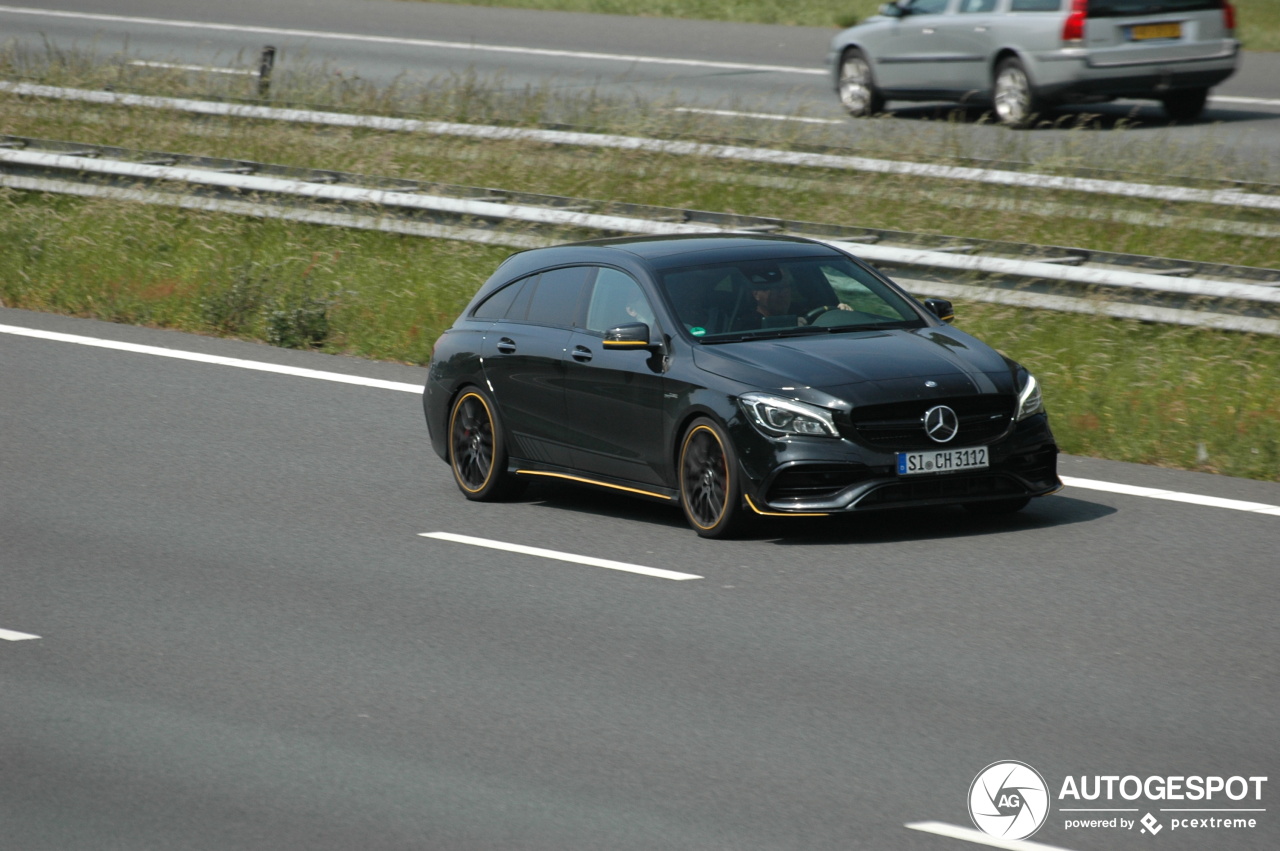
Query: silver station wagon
1025,56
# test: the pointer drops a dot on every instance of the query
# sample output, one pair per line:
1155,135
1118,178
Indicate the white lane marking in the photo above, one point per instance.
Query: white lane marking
998,177
10,635
211,359
414,42
559,556
1069,481
970,835
1172,496
767,116
140,63
1235,99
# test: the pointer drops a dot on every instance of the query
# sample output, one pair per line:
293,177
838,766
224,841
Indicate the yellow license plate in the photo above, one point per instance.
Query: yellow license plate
1142,32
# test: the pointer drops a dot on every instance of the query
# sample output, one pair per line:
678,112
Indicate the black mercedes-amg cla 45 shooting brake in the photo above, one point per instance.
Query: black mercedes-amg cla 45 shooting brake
736,375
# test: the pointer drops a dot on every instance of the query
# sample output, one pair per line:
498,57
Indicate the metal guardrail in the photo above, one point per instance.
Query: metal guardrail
1048,277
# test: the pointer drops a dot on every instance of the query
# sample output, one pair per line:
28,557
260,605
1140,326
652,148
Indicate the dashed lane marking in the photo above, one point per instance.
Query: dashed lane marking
559,556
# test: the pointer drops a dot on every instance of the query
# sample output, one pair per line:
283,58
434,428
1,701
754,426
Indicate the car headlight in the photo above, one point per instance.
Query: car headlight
1029,400
776,416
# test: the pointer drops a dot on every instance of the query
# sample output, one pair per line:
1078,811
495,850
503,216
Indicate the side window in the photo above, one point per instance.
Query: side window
969,7
556,296
929,7
616,300
1036,6
497,305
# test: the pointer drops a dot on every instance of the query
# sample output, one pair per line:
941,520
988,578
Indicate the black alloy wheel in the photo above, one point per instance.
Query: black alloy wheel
477,452
709,490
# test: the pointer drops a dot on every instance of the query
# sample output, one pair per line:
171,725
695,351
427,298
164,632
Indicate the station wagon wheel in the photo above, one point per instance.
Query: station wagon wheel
709,492
857,86
477,450
1015,99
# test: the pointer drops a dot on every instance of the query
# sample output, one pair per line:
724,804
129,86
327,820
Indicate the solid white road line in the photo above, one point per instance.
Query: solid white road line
970,835
211,359
1172,496
10,635
1069,481
765,116
412,42
559,556
139,63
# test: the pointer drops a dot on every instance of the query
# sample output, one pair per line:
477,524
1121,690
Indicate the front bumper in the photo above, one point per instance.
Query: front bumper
814,476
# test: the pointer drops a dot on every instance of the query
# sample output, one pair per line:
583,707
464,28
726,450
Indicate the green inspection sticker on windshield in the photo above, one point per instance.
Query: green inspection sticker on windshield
697,331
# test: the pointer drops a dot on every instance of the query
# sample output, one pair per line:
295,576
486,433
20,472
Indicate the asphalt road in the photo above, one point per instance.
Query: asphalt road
245,643
777,71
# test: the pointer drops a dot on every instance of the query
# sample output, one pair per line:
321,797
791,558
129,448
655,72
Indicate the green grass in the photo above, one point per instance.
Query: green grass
1258,21
1146,393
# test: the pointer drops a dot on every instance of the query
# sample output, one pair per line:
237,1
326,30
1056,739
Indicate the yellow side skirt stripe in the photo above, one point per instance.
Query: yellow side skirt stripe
592,482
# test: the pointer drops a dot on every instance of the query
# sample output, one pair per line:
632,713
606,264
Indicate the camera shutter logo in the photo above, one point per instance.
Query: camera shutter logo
1009,800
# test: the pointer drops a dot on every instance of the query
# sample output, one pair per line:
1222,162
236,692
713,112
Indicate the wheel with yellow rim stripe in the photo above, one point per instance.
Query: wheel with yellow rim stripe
709,489
477,449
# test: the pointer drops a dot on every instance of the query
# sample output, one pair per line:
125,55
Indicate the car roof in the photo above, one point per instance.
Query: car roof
666,252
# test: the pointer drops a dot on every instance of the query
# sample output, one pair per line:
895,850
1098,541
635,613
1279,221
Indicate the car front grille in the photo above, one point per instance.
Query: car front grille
900,426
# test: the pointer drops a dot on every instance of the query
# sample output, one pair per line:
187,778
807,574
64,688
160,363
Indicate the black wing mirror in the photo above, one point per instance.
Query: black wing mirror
940,308
634,335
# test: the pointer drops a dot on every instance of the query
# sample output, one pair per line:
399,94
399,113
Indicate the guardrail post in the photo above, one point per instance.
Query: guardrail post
267,62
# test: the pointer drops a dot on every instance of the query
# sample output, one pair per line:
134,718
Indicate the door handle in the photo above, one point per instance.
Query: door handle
979,29
582,354
506,345
928,30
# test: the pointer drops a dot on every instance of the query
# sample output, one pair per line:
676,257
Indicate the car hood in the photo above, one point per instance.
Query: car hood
868,367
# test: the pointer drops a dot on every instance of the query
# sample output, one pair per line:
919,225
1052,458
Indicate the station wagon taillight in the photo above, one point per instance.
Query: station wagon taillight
1073,27
1228,15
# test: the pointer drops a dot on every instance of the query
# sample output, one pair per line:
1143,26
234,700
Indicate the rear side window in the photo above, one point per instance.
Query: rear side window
1036,6
557,295
1119,8
929,7
497,305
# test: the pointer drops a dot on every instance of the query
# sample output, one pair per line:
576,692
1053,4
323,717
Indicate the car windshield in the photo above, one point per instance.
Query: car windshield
782,297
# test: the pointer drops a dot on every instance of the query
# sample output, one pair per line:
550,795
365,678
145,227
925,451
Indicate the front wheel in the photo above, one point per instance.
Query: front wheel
857,87
477,449
1015,98
709,489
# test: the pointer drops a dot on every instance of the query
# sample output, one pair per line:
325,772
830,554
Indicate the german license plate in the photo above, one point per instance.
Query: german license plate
1145,32
942,461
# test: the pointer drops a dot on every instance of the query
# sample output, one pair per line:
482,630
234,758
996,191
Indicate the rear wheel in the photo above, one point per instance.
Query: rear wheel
709,489
477,449
858,92
1015,98
1185,105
